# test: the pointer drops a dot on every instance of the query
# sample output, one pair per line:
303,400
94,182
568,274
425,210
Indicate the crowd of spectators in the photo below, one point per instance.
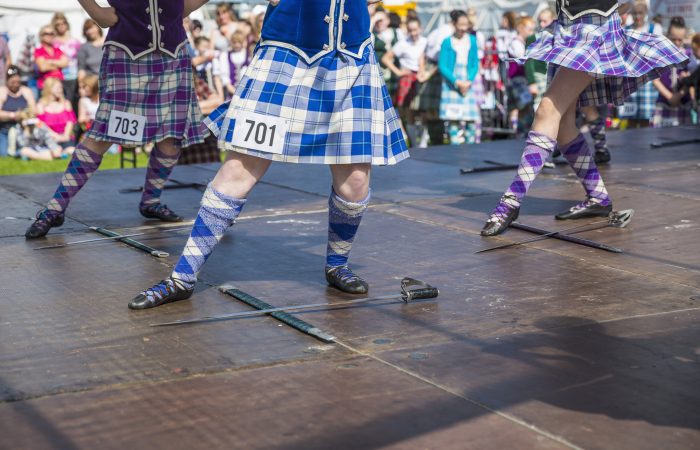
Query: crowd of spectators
452,84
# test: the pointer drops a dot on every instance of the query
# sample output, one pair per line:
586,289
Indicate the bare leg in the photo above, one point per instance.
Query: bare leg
239,174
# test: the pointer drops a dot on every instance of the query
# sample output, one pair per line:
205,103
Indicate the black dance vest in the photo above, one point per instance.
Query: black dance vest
577,8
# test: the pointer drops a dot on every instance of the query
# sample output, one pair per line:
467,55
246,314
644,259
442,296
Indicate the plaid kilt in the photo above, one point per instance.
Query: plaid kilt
454,106
668,116
621,61
204,153
338,109
541,82
407,90
428,98
641,104
156,86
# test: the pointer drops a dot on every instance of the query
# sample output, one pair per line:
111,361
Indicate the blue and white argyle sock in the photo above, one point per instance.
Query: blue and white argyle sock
343,221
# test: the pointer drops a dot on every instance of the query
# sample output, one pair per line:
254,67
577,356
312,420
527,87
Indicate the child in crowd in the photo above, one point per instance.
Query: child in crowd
234,62
673,107
57,113
89,101
34,141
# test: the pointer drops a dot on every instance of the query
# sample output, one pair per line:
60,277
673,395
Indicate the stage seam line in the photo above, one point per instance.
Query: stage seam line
448,390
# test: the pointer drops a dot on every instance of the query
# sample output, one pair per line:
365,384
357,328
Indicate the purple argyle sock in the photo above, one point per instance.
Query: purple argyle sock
82,165
580,157
160,166
537,148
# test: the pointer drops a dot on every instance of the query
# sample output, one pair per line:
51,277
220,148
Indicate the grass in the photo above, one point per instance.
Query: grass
12,166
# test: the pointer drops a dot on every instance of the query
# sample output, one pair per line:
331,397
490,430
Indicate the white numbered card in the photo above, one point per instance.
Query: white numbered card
454,112
126,126
629,110
260,132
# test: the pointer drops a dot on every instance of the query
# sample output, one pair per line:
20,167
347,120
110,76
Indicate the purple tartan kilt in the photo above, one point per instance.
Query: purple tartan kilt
156,86
620,60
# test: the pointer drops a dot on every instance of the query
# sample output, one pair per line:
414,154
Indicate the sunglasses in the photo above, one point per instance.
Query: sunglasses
12,72
48,33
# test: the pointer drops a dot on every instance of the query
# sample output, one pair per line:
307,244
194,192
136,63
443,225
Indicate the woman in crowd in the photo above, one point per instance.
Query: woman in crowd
673,107
16,103
90,53
49,59
70,47
226,24
459,66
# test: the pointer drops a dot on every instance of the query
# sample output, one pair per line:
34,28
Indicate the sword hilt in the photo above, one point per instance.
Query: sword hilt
412,289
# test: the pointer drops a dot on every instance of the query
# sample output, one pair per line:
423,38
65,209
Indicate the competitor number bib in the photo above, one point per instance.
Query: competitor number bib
260,132
126,126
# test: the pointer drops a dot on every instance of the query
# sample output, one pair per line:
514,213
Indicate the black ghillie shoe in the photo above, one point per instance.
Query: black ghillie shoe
342,278
159,211
500,219
45,220
602,156
167,291
584,210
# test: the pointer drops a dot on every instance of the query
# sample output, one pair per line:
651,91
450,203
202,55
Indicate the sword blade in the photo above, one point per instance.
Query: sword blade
263,312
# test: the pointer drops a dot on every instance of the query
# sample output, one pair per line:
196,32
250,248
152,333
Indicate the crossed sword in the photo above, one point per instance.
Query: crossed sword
616,219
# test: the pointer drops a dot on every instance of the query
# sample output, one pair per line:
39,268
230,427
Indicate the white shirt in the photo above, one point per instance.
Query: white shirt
435,40
409,53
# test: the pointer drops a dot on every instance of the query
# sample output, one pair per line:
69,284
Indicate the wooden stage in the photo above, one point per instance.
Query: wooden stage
548,345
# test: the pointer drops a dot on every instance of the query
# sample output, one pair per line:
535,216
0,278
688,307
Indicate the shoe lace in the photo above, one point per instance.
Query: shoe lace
345,274
44,215
500,213
160,290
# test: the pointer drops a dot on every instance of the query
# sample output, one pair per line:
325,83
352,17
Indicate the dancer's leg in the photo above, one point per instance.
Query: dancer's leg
220,206
346,206
562,94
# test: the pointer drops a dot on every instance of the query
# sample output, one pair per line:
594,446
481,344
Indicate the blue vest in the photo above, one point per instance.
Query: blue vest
577,8
148,25
315,28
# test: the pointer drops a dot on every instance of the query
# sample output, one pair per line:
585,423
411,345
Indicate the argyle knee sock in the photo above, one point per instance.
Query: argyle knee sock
160,166
538,147
580,158
598,133
343,221
82,165
217,213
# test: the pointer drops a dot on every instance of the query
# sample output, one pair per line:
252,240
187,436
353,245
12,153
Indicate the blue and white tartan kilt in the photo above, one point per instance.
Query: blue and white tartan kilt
338,109
458,107
641,104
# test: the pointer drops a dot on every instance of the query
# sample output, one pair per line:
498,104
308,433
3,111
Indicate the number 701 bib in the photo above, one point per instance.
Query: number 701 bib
260,132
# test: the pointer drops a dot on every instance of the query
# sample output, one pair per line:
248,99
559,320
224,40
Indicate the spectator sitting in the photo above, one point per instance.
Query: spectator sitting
57,113
234,62
49,59
35,142
89,101
16,101
519,96
90,53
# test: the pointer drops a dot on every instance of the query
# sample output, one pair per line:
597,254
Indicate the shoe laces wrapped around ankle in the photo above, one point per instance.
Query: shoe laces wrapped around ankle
500,213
